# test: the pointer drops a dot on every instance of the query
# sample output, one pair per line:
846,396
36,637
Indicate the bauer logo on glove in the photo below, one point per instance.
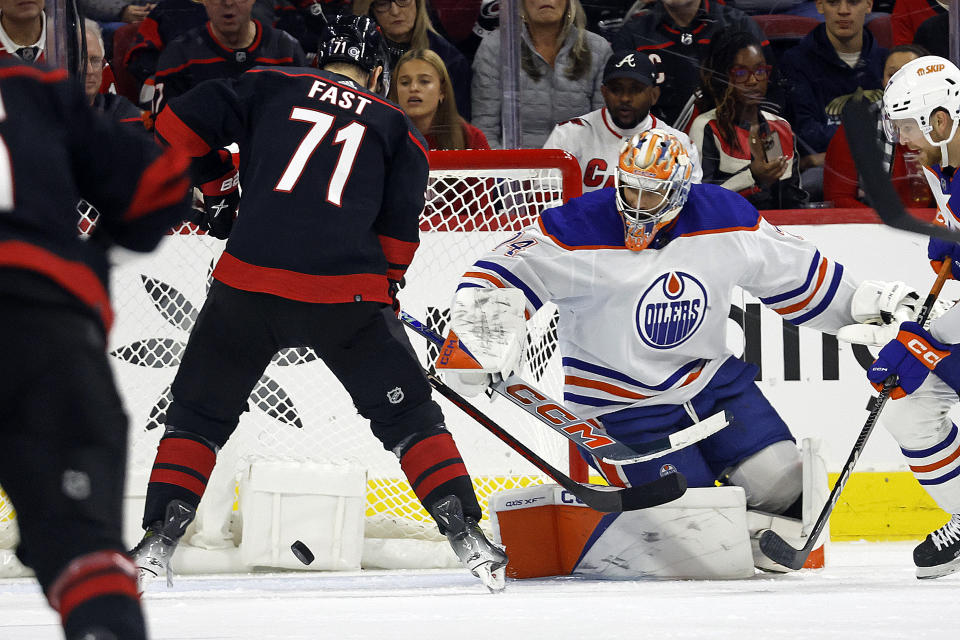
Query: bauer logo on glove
911,356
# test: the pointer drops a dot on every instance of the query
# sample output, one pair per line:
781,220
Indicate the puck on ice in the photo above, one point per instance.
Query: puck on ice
302,552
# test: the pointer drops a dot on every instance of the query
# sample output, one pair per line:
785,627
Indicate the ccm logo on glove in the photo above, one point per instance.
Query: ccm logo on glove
927,354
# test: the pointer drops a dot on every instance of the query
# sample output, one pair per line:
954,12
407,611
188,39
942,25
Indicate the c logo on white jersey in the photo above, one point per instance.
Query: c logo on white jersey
671,310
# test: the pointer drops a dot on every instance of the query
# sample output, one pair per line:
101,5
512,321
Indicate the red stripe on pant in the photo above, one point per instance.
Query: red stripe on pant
431,452
92,576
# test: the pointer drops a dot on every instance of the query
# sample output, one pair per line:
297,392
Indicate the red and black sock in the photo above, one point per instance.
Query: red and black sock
180,472
435,470
96,595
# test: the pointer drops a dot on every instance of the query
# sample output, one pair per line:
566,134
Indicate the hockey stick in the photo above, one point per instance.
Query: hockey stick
607,499
778,549
860,125
583,433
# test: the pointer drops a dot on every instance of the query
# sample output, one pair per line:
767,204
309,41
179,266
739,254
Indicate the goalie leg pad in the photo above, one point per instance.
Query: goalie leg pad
772,478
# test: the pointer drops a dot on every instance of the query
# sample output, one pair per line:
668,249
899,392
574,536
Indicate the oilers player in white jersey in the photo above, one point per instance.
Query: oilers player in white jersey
921,109
629,89
642,275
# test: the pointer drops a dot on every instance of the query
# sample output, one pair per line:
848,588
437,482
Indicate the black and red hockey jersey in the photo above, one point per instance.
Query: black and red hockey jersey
197,56
332,178
166,21
56,150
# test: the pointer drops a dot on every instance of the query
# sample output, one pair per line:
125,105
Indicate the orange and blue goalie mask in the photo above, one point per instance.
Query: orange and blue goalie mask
652,183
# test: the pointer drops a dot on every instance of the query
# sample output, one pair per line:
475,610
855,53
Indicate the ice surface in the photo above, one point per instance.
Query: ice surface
867,591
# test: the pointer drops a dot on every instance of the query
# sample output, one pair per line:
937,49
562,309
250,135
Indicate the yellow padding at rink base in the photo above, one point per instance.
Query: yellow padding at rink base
884,505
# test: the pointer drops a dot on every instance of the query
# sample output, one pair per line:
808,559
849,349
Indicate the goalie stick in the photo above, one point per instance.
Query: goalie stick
607,499
860,125
583,433
775,547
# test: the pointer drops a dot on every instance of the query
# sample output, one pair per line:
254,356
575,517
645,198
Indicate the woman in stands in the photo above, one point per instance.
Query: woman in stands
743,146
561,72
422,88
405,26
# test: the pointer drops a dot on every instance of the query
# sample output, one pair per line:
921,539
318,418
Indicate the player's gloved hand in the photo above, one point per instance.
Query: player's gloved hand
467,384
489,18
911,356
394,290
220,200
877,335
938,250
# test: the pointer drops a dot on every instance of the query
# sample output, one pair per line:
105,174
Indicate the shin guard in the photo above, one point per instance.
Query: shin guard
181,471
435,469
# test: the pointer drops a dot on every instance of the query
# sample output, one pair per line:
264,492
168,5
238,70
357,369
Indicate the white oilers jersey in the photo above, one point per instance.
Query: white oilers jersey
594,140
946,192
649,327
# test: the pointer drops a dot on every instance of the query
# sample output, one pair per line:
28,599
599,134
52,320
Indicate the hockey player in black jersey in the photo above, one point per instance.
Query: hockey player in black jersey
333,186
63,432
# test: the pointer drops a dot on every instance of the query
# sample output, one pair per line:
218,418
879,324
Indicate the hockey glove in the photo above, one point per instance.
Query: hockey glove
911,356
877,302
393,291
938,250
220,200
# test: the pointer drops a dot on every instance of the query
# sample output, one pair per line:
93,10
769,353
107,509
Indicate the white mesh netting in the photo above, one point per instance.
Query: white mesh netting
298,410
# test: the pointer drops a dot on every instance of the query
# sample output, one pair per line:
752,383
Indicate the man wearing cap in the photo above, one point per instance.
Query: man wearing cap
629,90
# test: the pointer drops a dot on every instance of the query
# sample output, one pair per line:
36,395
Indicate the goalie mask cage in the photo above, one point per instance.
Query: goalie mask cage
298,411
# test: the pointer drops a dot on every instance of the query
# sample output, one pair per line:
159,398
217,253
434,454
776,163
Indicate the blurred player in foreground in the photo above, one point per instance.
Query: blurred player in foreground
63,433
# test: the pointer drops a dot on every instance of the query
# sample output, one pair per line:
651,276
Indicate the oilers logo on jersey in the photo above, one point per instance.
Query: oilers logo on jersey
671,310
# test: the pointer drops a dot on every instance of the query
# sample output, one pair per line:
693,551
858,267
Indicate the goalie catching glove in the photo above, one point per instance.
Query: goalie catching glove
491,325
880,307
911,356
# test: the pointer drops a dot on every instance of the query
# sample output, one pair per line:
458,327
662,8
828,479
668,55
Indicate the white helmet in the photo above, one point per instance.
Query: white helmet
652,161
915,91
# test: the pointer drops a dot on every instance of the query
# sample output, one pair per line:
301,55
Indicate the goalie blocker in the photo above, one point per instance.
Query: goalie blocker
707,534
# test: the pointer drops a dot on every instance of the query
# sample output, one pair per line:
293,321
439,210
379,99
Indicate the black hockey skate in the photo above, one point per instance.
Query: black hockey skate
153,554
484,560
939,554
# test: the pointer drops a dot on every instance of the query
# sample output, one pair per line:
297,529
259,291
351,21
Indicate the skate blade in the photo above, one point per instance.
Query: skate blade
929,573
494,579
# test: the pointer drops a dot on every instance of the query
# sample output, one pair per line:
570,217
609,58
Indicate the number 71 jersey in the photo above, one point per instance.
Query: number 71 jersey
332,176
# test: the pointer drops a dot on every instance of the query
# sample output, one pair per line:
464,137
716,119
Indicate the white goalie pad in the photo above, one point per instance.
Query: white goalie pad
816,491
491,324
877,302
875,335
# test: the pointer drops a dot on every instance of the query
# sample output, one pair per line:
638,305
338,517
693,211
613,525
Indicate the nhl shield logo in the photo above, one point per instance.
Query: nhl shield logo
395,395
671,310
241,56
686,39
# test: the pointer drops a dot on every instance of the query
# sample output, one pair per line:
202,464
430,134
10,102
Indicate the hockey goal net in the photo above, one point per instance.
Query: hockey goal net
298,411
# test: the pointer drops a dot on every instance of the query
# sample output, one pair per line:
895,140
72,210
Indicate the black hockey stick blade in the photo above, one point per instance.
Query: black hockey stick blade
606,499
860,125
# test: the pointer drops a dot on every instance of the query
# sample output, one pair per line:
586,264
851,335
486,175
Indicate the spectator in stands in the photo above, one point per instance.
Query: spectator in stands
933,34
743,146
23,29
169,19
560,76
422,88
675,34
629,90
129,11
841,182
838,58
114,106
908,15
231,42
464,23
406,25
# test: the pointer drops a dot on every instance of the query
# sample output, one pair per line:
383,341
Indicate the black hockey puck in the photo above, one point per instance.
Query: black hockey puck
302,552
